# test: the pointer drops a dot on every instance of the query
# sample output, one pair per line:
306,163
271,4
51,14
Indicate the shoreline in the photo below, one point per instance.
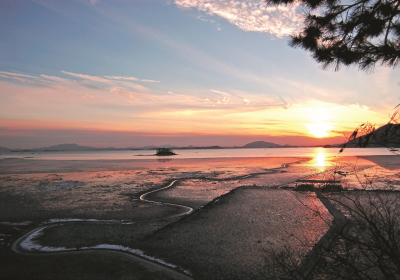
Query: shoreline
10,166
19,166
197,154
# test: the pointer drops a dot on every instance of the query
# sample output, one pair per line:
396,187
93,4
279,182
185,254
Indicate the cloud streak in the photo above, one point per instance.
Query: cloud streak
87,77
250,15
131,79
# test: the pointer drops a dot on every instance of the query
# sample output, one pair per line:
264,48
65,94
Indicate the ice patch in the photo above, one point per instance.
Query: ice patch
52,221
30,245
137,252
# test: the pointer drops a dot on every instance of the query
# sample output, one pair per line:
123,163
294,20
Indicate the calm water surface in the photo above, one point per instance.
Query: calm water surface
199,153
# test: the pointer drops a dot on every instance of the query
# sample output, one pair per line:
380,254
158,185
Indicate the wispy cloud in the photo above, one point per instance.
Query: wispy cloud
131,79
149,81
250,15
87,77
12,74
78,86
245,100
25,79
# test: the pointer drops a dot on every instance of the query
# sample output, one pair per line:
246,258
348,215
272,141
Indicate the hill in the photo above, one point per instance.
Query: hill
261,144
385,136
67,147
64,147
4,150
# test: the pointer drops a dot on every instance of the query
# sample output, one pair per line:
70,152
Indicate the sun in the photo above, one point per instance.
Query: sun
319,129
318,123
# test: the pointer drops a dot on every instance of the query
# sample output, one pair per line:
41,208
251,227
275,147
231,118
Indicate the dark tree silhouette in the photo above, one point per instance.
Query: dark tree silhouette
354,32
164,152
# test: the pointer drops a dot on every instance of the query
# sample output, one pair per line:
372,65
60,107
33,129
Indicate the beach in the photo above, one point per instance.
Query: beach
203,218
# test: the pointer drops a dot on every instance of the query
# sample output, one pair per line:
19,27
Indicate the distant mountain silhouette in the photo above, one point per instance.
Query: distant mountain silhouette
65,147
68,147
262,144
4,150
76,147
152,147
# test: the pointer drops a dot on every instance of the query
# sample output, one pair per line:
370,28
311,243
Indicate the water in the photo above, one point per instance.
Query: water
198,153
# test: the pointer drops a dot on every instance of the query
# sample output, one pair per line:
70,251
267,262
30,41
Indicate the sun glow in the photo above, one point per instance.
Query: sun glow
319,125
319,129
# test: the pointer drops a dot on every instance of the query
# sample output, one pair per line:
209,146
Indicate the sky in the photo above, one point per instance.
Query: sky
127,73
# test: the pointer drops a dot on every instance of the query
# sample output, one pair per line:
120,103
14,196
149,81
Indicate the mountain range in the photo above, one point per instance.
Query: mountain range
76,147
263,144
385,136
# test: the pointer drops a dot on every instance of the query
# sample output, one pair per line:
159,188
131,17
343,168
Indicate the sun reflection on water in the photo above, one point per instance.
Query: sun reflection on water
320,157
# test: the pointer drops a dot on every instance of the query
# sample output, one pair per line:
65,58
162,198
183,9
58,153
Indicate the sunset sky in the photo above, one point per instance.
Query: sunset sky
181,72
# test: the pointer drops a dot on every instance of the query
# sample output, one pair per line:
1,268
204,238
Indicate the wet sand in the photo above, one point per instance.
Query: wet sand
243,207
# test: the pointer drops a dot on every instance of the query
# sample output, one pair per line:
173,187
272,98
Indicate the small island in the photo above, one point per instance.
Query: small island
165,152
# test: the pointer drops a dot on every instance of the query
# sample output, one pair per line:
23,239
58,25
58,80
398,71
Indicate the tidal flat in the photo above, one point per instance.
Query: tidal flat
166,219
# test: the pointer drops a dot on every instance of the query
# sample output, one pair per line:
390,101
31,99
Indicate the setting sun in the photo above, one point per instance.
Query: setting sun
319,129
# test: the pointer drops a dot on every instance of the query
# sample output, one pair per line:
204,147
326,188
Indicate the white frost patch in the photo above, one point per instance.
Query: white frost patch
52,221
30,245
133,251
187,272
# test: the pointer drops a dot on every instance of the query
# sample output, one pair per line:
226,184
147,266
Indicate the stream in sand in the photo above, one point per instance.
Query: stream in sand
27,244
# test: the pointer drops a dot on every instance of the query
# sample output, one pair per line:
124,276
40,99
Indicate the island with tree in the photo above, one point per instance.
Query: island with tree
165,152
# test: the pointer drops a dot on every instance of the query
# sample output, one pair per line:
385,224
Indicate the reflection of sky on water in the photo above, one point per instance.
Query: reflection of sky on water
200,153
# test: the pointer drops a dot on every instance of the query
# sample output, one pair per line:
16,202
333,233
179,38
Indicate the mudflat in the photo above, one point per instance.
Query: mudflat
170,219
